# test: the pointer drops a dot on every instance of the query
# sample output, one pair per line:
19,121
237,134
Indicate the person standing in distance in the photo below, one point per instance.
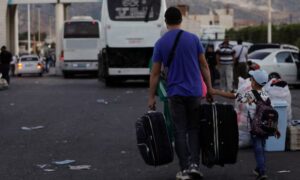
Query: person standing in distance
5,59
241,59
225,60
184,89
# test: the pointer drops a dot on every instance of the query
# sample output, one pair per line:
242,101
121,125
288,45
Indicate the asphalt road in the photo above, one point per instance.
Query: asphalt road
80,119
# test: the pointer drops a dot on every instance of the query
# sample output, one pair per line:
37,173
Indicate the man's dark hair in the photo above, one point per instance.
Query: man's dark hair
3,48
173,16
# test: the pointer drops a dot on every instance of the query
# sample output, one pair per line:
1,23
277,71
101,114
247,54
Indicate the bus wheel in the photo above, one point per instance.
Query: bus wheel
110,81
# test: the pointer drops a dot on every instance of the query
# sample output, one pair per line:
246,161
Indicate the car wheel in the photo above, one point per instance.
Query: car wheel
40,74
274,75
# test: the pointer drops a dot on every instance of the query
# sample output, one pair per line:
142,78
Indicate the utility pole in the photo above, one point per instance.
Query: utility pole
28,28
50,29
39,24
269,21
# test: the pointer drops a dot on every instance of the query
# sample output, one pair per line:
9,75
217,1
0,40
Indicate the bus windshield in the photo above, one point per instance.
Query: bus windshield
81,30
134,10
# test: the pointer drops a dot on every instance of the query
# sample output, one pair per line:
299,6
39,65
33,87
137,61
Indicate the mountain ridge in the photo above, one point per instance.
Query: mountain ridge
253,10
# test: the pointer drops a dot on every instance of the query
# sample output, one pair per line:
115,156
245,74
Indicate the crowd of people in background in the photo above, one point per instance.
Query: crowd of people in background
227,63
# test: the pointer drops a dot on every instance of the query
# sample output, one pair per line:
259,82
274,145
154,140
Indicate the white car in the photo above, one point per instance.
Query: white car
29,64
282,63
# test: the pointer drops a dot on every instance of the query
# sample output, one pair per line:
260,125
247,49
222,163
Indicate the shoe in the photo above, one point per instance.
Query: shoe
255,172
194,172
262,177
183,175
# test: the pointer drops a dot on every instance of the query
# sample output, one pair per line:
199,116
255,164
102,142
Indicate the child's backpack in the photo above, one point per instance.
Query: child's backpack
265,120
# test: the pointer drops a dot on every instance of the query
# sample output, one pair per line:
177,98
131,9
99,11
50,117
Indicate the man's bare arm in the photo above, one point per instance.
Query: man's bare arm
154,79
205,71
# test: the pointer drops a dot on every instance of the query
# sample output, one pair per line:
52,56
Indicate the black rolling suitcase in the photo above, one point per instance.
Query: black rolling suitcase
153,140
219,134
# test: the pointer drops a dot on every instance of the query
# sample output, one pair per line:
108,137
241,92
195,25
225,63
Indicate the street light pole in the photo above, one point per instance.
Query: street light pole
28,28
39,24
269,21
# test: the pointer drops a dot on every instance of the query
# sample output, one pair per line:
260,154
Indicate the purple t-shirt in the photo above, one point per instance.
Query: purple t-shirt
184,71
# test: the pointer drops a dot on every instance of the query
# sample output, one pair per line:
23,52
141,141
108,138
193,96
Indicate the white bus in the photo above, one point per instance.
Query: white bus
130,30
81,45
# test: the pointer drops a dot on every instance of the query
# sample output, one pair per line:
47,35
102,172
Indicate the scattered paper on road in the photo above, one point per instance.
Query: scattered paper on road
80,167
49,170
284,171
102,101
129,92
67,161
123,152
42,166
31,128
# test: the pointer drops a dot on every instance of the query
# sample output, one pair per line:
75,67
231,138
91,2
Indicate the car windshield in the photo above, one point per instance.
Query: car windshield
26,59
258,55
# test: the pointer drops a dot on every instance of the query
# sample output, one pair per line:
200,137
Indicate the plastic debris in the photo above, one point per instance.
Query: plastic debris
49,170
129,92
284,171
102,101
31,128
123,152
42,166
67,161
80,167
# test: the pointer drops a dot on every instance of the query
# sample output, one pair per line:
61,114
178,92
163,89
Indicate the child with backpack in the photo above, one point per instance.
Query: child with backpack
263,118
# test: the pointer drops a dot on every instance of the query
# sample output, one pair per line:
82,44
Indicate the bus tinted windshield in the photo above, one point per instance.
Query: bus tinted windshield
81,30
134,10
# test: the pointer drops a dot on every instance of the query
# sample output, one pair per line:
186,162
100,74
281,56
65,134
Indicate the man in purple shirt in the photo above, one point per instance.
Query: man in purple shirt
184,89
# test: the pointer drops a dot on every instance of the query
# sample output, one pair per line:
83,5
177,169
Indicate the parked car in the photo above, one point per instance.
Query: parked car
279,63
29,64
260,46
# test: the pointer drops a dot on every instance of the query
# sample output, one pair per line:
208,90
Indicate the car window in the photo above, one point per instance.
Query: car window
284,57
256,47
25,59
258,55
296,56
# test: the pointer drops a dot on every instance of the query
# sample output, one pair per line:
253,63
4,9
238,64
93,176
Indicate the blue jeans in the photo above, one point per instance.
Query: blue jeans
184,112
259,152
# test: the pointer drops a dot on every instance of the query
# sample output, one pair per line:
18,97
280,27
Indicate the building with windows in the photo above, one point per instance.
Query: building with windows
221,18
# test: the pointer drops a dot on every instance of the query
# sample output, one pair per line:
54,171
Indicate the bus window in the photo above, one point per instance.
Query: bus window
81,30
134,10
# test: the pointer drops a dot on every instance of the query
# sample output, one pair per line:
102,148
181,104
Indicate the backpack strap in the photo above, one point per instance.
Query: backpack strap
259,98
172,52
